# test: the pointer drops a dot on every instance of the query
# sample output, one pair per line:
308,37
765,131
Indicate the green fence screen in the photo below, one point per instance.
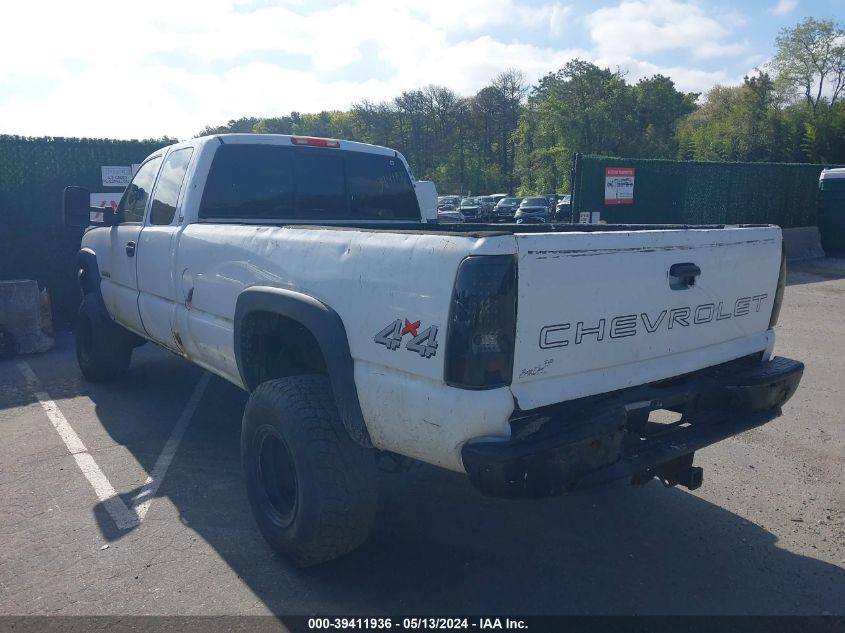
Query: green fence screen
34,244
697,192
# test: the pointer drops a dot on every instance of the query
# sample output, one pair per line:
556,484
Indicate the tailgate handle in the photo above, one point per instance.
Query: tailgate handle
683,275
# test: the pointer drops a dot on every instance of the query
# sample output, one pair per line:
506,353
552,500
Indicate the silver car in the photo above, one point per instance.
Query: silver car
449,216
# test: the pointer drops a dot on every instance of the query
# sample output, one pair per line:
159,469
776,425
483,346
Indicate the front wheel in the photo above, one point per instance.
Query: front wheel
103,348
312,489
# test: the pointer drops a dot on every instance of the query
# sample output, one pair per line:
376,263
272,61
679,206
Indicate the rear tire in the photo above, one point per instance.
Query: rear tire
311,487
103,348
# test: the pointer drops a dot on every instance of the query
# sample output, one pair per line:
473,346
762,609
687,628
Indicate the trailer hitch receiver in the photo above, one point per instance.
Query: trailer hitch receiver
678,471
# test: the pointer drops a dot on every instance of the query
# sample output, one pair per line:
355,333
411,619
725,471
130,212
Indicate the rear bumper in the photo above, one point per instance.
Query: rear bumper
601,438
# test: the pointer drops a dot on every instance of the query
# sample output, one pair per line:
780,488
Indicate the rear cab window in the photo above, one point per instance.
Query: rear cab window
250,182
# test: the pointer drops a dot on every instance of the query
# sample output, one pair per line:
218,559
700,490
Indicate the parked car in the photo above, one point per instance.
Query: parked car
497,197
472,209
530,219
563,208
448,203
537,206
450,216
487,205
505,210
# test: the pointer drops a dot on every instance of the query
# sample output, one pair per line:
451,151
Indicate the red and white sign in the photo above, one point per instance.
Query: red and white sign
618,185
103,201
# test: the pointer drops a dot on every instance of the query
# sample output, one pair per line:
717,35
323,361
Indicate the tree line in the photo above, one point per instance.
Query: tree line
515,138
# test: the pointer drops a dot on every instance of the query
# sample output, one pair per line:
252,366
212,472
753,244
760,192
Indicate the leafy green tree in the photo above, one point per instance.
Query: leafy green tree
243,125
658,107
810,61
743,123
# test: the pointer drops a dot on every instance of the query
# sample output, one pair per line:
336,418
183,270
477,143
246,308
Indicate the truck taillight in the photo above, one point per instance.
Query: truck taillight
482,323
314,141
773,321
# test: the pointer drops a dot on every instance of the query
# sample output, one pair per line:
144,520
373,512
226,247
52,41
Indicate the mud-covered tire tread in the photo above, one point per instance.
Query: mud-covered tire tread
337,495
111,345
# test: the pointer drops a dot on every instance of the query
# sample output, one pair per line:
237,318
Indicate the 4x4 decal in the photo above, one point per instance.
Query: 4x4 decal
423,343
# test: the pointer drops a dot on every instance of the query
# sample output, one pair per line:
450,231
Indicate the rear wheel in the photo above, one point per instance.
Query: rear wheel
103,348
311,488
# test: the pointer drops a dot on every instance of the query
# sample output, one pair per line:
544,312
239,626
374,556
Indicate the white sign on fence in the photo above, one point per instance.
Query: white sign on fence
115,176
619,185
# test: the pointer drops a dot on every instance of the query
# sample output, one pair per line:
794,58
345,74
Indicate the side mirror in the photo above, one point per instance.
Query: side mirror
77,211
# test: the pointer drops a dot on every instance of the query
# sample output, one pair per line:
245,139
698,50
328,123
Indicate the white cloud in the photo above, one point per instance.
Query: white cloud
647,26
119,93
123,85
784,6
708,50
686,79
172,101
474,15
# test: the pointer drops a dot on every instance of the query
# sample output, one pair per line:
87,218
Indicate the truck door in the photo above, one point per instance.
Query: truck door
159,290
119,284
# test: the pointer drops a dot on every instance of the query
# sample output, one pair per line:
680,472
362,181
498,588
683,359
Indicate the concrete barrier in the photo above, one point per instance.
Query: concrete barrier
803,242
20,314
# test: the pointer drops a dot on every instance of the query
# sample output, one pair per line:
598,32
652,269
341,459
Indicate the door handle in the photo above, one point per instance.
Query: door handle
683,275
130,249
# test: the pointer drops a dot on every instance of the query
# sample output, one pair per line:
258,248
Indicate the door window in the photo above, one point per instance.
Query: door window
169,185
134,200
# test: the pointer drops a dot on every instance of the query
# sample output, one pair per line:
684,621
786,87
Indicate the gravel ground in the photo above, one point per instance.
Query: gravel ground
764,535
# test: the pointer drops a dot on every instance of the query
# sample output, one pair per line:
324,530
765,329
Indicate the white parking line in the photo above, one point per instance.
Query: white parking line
141,501
123,517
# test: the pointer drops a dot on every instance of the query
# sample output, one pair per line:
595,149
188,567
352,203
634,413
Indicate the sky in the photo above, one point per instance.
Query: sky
153,68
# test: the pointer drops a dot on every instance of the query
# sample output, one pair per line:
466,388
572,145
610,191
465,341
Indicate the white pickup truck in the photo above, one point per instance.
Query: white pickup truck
527,356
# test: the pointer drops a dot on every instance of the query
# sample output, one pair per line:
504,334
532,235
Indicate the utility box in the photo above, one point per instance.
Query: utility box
21,314
427,198
832,209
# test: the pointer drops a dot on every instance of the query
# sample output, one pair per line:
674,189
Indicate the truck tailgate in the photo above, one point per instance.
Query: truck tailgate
599,311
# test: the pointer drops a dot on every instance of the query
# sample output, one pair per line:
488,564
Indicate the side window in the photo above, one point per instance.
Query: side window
320,185
380,188
169,185
249,182
134,200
